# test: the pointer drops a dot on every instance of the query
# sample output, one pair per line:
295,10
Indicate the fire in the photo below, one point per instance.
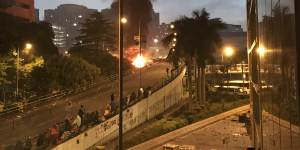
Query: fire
139,61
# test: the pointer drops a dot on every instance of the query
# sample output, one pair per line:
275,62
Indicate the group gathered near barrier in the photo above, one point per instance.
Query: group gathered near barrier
74,125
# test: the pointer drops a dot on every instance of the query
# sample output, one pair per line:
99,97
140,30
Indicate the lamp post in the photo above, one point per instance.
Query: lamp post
228,52
28,47
140,48
122,21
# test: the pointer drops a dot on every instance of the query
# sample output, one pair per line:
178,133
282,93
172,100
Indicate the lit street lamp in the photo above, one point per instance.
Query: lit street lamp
228,52
172,26
122,21
26,50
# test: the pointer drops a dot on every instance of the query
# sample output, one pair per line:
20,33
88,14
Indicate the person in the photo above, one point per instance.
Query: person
141,93
113,106
68,110
133,97
28,144
77,122
67,125
40,140
107,111
81,112
54,134
167,70
19,145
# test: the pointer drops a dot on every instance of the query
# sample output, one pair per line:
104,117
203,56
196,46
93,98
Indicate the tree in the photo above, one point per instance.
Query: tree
95,38
96,34
197,40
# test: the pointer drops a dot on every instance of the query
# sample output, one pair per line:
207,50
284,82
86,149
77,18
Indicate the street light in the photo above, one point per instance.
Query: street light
228,52
172,26
174,39
26,50
124,20
261,51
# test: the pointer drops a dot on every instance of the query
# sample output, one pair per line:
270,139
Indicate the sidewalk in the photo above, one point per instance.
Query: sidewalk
222,131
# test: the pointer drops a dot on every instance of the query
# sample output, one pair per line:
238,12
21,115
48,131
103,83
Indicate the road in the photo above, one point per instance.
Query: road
36,121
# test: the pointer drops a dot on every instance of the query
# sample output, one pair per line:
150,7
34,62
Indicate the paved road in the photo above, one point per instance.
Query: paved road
37,121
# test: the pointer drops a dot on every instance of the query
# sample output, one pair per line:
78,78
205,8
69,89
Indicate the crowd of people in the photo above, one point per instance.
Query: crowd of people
76,124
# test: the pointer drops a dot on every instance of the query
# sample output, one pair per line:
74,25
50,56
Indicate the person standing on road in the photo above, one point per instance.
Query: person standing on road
167,70
68,110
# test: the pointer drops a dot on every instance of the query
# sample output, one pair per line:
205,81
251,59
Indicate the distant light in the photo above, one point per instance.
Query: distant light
175,34
173,49
155,40
228,51
244,76
261,51
174,45
172,26
174,39
139,61
157,50
124,20
80,16
68,35
74,24
66,52
28,46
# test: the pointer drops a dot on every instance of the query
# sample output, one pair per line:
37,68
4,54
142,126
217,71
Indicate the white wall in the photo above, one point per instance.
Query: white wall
137,114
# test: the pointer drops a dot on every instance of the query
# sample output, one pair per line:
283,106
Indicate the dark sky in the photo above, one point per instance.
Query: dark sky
231,11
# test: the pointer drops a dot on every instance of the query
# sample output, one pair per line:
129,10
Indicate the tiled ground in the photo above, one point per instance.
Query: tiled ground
227,134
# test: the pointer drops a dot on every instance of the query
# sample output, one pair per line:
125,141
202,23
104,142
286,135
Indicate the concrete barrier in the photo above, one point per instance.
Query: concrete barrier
134,116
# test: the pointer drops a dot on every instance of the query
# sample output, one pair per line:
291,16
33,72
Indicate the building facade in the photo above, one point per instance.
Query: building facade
273,52
69,17
19,8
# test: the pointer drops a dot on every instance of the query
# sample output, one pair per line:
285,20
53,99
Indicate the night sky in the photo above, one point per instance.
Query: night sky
231,11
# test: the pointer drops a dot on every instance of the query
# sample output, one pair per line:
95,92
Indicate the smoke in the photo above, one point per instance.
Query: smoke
136,12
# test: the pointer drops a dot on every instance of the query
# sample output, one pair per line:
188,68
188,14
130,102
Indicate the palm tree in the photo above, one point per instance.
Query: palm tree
197,39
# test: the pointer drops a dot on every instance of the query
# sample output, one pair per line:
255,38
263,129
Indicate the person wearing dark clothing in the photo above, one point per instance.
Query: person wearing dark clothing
19,145
28,144
132,97
113,107
68,125
112,97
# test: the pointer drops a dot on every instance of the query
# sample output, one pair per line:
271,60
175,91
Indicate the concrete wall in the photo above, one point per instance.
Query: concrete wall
134,116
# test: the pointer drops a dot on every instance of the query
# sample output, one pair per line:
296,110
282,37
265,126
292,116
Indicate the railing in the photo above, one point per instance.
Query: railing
35,101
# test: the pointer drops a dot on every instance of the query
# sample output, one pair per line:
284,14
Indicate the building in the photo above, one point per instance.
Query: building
233,36
19,8
69,17
274,53
37,15
60,36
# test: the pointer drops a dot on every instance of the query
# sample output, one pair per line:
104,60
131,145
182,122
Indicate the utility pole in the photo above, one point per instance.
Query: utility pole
121,74
140,48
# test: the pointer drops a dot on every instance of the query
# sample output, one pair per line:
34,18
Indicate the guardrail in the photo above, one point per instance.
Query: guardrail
34,101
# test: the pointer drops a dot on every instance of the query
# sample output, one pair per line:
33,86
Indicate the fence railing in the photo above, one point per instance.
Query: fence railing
35,101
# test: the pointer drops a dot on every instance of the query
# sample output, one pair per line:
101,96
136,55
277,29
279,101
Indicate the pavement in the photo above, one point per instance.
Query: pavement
221,132
36,121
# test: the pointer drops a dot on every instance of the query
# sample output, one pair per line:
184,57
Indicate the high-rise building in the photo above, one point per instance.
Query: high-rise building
20,8
37,15
274,56
60,36
69,17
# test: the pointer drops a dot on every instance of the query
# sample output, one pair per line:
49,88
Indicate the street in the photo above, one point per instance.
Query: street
36,121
